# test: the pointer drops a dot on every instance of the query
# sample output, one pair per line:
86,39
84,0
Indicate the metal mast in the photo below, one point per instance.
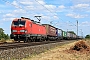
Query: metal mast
77,28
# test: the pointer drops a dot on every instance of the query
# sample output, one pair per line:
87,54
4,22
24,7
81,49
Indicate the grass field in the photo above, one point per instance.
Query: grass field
7,41
65,53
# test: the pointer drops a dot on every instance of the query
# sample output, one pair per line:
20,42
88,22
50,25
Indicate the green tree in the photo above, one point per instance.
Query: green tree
3,35
72,32
6,36
87,36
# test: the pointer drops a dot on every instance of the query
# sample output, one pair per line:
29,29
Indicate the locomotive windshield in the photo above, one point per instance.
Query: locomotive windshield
18,23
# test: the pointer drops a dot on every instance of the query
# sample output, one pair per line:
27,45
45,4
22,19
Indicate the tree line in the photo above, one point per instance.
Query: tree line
87,36
3,35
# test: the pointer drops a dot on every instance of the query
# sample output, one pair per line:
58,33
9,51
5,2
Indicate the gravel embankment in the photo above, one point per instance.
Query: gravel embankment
19,53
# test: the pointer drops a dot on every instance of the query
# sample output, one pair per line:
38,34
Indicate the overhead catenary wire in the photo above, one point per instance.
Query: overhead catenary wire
48,9
25,10
43,6
16,6
55,14
52,13
11,4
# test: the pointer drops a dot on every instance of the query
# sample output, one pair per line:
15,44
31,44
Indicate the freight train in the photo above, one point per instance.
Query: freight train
25,29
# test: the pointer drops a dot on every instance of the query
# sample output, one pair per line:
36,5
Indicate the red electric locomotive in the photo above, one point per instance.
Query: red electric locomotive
26,29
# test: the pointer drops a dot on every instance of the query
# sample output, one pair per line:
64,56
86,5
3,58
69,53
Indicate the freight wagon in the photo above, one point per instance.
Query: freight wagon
68,35
59,33
71,36
50,32
64,35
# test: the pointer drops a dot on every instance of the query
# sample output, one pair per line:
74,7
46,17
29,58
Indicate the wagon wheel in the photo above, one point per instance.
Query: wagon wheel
15,39
40,39
18,40
26,40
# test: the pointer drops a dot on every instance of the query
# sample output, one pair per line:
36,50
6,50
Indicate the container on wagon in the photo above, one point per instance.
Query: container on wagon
50,30
68,35
71,35
64,35
59,32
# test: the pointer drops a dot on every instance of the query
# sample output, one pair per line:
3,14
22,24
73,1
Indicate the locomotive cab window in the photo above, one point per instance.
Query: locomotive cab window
18,23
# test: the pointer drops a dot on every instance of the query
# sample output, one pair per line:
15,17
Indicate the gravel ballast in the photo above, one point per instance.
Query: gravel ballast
23,52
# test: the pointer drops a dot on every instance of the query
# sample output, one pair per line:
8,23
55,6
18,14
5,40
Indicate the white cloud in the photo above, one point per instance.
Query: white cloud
41,2
85,23
30,8
38,7
15,4
19,11
79,6
55,17
8,15
61,7
45,18
8,19
50,8
80,1
73,15
25,2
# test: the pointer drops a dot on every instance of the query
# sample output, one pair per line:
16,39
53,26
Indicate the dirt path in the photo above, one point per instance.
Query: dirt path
60,53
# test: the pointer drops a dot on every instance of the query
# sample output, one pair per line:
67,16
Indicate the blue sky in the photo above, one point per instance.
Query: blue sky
62,13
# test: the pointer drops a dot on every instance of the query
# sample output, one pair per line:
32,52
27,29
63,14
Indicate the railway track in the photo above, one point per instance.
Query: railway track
17,51
6,46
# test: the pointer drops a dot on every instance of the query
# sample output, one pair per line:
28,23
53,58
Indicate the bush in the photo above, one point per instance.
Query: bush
2,40
87,36
3,35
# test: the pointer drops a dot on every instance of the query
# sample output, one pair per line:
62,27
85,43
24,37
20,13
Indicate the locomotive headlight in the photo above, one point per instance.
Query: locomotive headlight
22,30
25,31
14,30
